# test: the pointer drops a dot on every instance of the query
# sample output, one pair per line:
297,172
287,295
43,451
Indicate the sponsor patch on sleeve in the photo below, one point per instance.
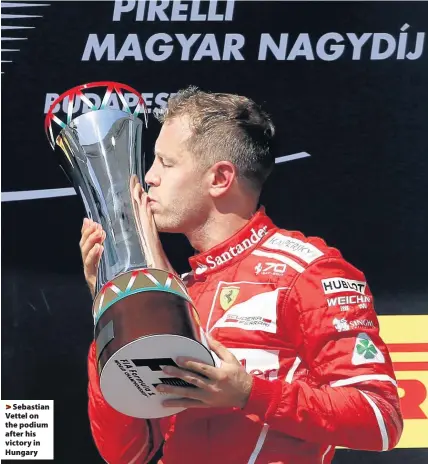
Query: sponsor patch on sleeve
342,325
365,351
340,285
304,251
348,301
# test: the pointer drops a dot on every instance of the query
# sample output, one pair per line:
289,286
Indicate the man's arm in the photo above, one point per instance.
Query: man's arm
120,439
350,398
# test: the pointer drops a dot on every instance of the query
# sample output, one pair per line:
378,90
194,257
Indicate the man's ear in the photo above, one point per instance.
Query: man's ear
222,175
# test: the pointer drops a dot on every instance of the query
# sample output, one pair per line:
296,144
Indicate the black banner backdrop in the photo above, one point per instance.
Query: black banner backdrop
346,84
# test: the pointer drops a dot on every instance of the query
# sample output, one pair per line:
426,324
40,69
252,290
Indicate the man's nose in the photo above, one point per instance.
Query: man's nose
151,178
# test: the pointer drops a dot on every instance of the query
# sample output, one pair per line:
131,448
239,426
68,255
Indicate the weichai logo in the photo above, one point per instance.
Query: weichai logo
407,341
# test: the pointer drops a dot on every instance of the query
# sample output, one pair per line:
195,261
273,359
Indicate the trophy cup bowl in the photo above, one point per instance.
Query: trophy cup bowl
144,317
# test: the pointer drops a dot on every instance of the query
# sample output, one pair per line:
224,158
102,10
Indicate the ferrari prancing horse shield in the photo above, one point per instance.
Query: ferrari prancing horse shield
228,296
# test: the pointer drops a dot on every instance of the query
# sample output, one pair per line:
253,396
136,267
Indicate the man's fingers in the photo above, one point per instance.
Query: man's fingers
86,232
184,403
221,351
85,224
206,370
96,237
144,210
138,193
132,181
88,245
151,217
141,197
189,377
92,260
182,392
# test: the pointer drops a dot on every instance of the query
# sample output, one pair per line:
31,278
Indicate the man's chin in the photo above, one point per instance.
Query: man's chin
160,223
167,230
161,226
165,225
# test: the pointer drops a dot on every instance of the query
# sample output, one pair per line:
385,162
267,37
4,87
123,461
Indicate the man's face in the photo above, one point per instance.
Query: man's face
178,192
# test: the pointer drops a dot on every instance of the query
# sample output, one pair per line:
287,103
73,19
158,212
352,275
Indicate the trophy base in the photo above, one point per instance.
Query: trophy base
144,319
129,378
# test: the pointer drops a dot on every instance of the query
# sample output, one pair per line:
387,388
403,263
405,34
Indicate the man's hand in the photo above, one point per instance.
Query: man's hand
91,249
150,241
217,387
93,236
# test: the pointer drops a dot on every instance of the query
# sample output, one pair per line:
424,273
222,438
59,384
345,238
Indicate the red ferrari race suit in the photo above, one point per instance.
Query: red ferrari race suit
301,320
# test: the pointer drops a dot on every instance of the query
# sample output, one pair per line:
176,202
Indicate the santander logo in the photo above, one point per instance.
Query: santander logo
212,262
201,269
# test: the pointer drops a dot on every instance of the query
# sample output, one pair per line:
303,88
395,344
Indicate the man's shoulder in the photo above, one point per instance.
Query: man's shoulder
306,250
308,256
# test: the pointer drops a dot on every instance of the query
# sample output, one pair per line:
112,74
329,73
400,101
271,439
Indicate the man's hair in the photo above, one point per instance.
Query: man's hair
226,127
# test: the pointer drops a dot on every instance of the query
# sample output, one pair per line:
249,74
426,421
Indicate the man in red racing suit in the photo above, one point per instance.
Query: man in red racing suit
301,320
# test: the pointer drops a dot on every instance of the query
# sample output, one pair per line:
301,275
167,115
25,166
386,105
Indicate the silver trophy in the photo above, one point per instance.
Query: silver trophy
143,317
